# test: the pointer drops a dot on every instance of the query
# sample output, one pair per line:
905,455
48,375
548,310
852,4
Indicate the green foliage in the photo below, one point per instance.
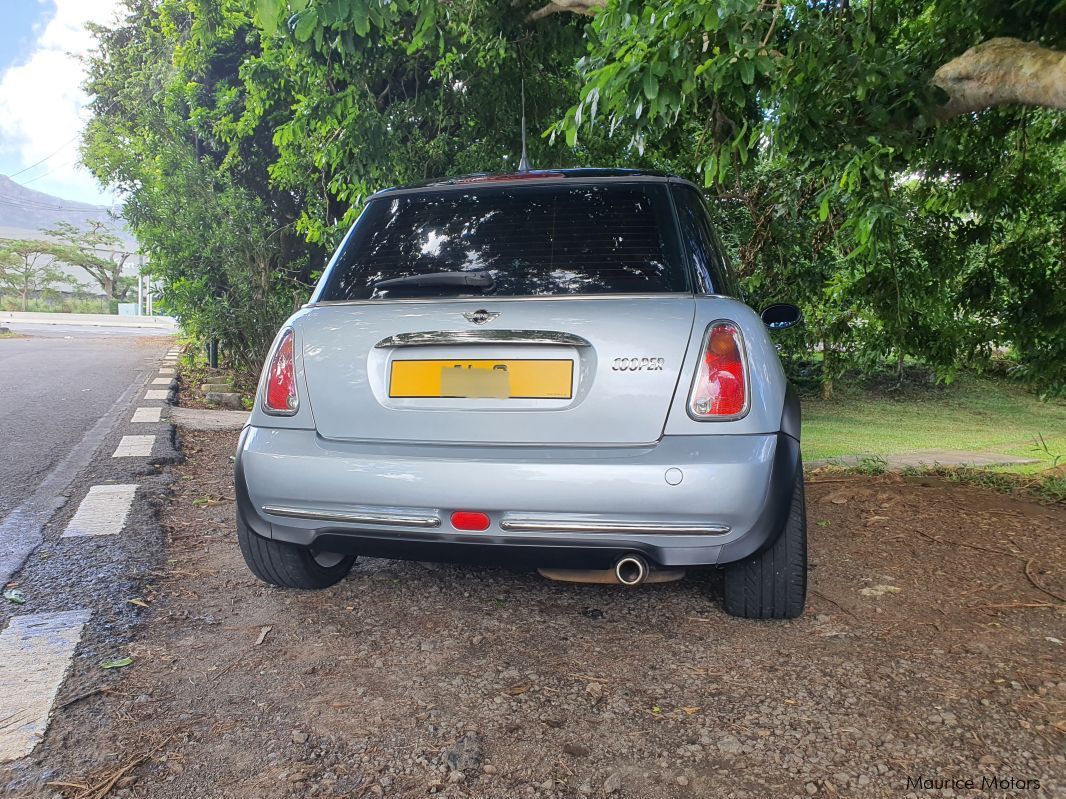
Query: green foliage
245,151
872,465
247,135
815,125
218,235
376,93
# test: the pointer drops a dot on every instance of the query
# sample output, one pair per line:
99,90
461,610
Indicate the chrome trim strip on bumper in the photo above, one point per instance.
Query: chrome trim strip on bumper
357,516
514,524
431,338
540,525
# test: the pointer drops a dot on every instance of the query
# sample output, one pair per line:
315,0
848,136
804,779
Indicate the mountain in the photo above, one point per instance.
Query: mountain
24,212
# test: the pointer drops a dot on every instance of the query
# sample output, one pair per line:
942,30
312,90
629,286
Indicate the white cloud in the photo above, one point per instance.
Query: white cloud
42,103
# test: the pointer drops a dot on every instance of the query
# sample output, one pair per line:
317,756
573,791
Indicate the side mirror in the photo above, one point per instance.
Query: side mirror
781,316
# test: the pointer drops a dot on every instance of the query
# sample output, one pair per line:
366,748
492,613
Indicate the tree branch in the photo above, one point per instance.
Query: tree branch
1002,71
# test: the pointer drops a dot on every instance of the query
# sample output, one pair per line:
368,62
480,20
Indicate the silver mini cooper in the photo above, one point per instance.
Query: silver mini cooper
550,369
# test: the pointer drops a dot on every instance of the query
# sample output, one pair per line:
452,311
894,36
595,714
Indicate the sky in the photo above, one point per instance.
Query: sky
42,104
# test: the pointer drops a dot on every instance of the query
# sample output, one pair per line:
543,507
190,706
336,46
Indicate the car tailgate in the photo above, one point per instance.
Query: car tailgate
576,370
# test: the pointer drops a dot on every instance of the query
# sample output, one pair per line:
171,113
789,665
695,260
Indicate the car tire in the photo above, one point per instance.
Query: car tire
288,565
772,584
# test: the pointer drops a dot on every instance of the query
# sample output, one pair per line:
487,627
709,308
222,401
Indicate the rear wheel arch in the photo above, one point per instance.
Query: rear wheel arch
289,565
772,583
790,413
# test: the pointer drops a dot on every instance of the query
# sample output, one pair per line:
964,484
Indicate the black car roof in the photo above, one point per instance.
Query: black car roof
547,175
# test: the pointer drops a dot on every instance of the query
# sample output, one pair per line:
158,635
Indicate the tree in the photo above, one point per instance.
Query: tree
243,157
880,163
372,94
1001,71
84,248
26,267
218,234
888,120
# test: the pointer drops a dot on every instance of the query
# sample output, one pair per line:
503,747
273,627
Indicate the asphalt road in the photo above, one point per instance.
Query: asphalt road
62,392
55,384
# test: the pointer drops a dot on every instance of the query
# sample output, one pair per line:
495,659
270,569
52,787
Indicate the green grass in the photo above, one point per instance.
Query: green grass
972,414
63,305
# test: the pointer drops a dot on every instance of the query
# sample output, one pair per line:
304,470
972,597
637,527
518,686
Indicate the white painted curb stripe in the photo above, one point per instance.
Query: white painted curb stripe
155,393
161,381
146,415
35,651
134,447
166,371
103,511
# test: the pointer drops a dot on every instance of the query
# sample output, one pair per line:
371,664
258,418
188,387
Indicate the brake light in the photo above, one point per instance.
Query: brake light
280,396
721,387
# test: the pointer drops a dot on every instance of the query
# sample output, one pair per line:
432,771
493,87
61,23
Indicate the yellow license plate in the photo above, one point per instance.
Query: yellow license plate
509,379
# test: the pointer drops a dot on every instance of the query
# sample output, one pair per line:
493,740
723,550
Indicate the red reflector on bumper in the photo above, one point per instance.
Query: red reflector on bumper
469,520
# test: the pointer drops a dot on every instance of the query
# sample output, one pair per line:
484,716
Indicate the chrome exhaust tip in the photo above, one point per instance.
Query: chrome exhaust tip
631,570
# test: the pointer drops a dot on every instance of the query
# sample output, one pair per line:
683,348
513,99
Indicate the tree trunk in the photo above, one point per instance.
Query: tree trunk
109,287
827,370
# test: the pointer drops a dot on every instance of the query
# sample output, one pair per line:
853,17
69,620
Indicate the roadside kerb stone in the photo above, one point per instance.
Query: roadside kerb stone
230,400
218,388
207,419
926,459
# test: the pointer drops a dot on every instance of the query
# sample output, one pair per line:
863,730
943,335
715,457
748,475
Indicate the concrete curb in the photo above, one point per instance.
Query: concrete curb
165,323
209,419
924,460
168,449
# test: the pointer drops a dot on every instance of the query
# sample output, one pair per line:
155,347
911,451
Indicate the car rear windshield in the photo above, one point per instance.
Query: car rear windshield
511,241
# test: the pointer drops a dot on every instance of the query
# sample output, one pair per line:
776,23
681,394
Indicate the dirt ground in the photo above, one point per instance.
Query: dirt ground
932,648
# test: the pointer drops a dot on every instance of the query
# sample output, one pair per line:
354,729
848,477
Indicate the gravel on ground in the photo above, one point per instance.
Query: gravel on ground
932,649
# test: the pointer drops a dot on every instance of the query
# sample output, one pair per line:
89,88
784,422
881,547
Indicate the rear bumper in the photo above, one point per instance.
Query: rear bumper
559,507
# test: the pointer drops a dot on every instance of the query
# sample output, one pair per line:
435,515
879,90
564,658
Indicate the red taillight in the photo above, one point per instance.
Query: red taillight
721,388
470,520
280,395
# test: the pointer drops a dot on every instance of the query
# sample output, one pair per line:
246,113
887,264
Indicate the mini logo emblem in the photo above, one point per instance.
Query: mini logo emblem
480,316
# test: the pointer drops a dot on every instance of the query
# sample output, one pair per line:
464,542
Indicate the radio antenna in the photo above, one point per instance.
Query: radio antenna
523,164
